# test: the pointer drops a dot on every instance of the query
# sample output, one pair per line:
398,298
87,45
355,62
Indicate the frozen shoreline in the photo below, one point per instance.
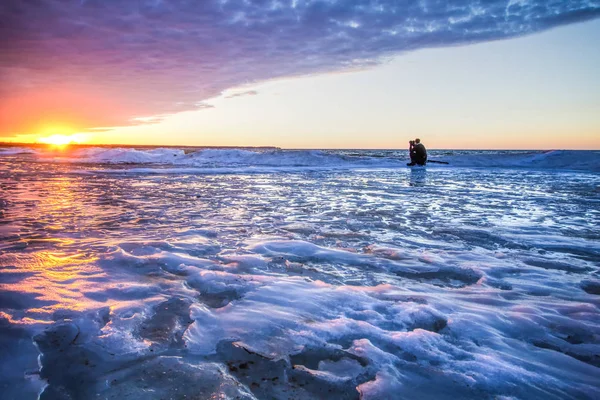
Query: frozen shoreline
331,283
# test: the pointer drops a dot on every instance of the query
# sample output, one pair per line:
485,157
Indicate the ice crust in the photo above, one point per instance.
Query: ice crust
371,284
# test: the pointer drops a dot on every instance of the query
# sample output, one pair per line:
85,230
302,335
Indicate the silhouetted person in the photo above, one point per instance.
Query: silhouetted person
418,153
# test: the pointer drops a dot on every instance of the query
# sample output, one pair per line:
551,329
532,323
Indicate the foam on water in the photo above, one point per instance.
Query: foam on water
370,283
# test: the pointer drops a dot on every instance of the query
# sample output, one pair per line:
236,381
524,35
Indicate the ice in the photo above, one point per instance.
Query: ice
591,286
298,274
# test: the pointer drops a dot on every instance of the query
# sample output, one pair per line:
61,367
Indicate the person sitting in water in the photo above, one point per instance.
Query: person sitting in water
418,153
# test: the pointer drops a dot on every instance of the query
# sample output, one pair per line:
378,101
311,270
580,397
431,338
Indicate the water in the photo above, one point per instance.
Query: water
166,273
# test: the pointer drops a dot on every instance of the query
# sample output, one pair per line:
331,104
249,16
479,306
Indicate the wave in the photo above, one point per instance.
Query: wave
555,159
13,151
219,158
214,160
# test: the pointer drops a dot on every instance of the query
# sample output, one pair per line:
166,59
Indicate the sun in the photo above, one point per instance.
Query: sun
62,140
57,140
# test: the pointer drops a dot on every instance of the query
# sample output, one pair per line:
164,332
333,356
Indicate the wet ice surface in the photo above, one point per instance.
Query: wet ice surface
372,284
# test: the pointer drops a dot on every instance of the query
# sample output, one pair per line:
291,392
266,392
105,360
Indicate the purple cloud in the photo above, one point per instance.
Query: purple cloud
131,59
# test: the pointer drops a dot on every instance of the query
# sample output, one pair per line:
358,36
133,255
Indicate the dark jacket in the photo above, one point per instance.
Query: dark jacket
418,154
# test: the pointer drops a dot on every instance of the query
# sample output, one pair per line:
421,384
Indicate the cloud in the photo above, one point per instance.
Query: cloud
102,63
239,94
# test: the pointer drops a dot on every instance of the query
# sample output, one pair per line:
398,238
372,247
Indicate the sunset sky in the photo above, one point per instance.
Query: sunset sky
302,74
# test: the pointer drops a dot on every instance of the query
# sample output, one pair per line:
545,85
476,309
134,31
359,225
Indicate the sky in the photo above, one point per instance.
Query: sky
302,74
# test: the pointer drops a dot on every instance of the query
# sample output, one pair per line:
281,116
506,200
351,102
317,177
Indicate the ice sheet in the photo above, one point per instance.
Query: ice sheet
369,283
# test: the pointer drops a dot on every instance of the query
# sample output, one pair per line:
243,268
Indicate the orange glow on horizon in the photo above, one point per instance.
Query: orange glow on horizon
63,140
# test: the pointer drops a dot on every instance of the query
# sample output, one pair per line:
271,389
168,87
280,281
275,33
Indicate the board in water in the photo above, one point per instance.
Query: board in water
438,162
429,161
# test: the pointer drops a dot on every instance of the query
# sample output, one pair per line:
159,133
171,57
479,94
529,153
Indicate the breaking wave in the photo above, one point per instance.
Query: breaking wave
236,158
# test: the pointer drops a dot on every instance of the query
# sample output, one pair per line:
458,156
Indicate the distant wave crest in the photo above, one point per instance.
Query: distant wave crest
231,158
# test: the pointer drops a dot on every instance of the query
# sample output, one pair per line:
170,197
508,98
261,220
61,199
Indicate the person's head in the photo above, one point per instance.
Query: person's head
417,140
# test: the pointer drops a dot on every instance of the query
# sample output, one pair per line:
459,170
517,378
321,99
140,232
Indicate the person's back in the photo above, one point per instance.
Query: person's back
421,153
418,153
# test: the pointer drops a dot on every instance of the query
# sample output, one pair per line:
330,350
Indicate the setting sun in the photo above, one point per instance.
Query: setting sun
62,140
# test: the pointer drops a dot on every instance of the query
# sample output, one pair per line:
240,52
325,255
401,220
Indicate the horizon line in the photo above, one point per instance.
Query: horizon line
39,144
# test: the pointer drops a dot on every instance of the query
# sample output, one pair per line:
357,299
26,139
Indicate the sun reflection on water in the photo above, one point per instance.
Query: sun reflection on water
48,258
50,280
